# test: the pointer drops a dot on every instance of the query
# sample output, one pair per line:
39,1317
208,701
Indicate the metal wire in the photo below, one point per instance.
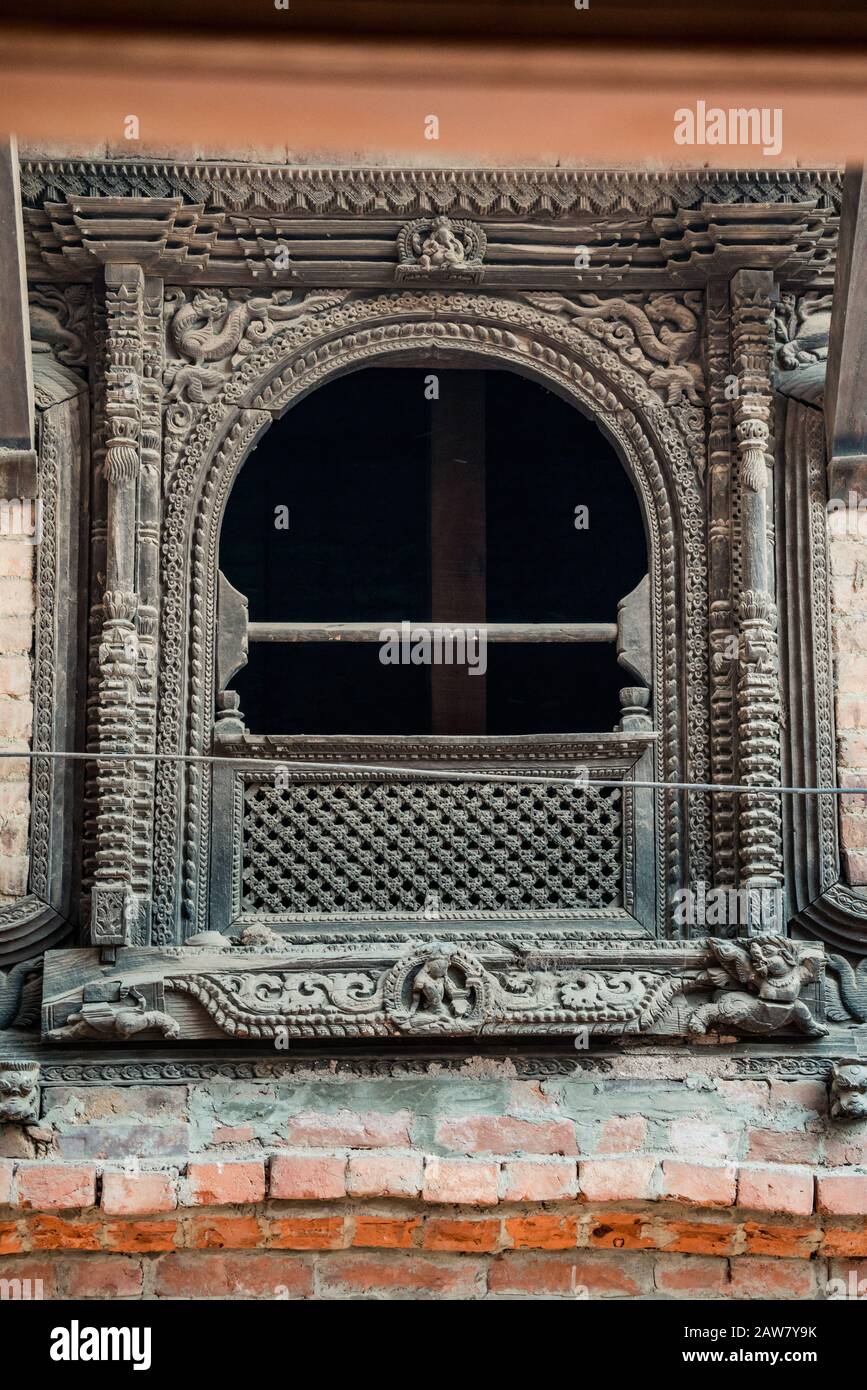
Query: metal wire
457,774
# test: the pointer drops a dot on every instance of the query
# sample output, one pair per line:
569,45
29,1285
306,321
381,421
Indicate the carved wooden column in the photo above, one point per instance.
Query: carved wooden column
758,692
147,538
113,906
722,646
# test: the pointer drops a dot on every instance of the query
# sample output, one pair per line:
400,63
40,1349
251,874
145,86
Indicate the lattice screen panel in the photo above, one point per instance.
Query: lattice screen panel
402,845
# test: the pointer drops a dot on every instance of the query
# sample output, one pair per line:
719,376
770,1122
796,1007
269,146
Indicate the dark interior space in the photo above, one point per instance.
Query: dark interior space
352,463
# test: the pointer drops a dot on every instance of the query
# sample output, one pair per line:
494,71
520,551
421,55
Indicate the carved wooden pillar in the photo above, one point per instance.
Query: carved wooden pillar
758,692
721,625
113,906
147,537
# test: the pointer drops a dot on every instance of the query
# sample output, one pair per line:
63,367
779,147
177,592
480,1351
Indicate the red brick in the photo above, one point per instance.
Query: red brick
104,1276
696,1237
505,1134
111,1103
224,1274
844,1240
214,1231
460,1182
11,1242
7,1168
386,1232
15,676
699,1184
852,1274
853,827
744,1095
34,1268
529,1180
384,1175
691,1274
752,1277
225,1184
768,1188
55,1186
306,1233
46,1232
569,1275
125,1140
138,1194
855,864
782,1146
233,1134
350,1129
847,1146
617,1179
842,1194
542,1232
397,1274
303,1177
785,1238
16,558
616,1230
142,1236
807,1095
480,1234
622,1134
701,1139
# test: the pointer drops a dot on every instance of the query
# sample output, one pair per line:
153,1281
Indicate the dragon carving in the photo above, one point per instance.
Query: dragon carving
210,329
659,338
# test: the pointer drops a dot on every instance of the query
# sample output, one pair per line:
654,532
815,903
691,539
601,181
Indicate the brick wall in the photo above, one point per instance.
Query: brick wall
16,710
660,1178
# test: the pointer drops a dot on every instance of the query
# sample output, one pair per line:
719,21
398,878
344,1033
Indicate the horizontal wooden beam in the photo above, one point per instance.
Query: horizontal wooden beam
373,632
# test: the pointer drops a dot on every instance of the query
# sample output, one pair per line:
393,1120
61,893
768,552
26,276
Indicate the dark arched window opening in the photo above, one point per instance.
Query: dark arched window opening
427,497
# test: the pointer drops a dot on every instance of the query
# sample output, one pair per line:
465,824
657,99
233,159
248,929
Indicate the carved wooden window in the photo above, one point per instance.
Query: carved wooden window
394,504
503,893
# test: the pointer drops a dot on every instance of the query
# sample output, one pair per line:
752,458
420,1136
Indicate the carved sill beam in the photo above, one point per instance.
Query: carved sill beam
383,985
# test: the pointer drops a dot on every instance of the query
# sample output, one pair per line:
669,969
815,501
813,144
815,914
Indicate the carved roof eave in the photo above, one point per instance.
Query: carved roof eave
226,223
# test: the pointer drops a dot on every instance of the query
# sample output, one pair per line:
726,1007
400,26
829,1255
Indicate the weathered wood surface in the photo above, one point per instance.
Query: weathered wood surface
372,632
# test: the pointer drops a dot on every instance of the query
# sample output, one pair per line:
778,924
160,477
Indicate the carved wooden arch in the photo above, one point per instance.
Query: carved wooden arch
661,445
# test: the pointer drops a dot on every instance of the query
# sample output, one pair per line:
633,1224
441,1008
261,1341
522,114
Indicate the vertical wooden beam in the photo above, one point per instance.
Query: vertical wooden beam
17,455
114,909
458,549
147,538
758,692
846,377
719,502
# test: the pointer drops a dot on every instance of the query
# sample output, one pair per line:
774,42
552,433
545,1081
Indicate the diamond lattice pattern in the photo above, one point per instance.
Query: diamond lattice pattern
395,846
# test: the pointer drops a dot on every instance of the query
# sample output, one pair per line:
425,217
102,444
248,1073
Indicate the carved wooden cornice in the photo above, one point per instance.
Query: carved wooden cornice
160,234
242,224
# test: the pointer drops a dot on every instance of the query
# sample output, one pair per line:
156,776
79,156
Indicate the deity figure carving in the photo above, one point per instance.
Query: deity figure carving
769,966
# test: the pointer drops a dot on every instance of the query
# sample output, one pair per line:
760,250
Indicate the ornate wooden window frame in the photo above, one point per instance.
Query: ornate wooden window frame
191,358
